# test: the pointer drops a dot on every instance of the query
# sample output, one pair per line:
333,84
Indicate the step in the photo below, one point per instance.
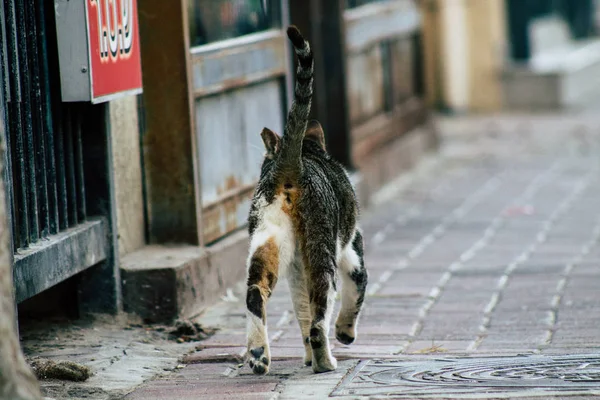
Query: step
560,78
165,283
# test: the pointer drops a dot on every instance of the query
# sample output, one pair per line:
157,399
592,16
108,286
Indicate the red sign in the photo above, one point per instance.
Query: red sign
114,46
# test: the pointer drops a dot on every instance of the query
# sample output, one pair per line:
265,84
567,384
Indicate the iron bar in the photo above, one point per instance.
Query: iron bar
61,173
15,124
48,129
27,121
69,122
81,211
5,91
56,109
4,55
38,157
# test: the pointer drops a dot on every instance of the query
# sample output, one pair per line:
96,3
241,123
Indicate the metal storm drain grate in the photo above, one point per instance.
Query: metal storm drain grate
491,377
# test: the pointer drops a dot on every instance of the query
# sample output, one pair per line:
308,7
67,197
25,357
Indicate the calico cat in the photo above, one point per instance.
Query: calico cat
303,222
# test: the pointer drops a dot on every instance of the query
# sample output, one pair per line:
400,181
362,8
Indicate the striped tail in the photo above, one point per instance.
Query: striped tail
289,162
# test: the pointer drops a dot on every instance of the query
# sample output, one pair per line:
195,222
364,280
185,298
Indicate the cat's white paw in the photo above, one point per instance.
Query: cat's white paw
259,360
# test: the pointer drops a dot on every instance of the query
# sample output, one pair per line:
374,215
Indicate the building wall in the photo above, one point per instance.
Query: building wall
455,53
431,52
465,47
487,49
125,136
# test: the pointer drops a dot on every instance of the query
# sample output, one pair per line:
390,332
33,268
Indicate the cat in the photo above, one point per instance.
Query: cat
303,223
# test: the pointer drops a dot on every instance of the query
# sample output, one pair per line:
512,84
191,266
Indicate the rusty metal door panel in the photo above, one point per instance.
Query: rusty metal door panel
365,84
402,64
375,22
378,36
382,72
236,63
228,128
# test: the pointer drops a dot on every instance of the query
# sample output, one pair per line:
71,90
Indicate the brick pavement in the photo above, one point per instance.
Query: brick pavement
485,252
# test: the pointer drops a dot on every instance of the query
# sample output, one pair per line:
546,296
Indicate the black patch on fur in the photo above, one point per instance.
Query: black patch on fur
304,80
303,99
358,246
254,301
306,62
345,338
319,293
316,338
295,36
257,270
257,352
359,276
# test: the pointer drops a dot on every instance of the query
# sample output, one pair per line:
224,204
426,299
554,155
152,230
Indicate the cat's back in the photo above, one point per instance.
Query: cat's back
327,187
323,193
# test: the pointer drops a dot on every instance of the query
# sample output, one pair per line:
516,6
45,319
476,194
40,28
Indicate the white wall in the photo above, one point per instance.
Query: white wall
455,53
125,138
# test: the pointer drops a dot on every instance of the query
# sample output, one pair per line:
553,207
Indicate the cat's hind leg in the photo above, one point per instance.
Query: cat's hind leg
269,251
354,283
301,300
319,256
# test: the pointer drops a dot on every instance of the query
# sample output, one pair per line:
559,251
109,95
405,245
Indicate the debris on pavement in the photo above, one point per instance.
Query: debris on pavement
62,370
189,331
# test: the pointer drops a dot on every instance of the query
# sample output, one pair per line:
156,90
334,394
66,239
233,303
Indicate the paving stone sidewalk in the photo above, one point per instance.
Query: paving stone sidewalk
491,249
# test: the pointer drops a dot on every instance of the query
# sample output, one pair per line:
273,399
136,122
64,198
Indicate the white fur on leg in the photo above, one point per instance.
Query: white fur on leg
259,353
256,331
345,326
273,224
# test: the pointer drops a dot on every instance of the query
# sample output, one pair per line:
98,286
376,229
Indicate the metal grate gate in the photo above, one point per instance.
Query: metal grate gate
59,228
44,134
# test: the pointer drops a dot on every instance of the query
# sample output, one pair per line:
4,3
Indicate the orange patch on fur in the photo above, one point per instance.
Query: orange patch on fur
291,197
268,254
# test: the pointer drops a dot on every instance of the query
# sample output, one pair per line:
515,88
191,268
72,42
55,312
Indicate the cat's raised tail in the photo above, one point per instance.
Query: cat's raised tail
289,161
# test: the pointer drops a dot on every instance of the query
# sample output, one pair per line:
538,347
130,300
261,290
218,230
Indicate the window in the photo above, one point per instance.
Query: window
214,20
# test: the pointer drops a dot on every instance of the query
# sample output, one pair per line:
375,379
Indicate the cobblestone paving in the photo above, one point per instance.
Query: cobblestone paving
492,249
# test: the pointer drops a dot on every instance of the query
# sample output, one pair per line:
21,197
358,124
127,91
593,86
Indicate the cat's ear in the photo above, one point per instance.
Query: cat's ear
314,131
272,142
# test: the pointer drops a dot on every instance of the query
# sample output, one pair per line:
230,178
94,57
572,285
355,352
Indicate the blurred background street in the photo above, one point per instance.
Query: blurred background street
489,249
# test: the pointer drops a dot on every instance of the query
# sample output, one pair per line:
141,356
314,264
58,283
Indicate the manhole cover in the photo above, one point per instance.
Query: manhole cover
491,377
